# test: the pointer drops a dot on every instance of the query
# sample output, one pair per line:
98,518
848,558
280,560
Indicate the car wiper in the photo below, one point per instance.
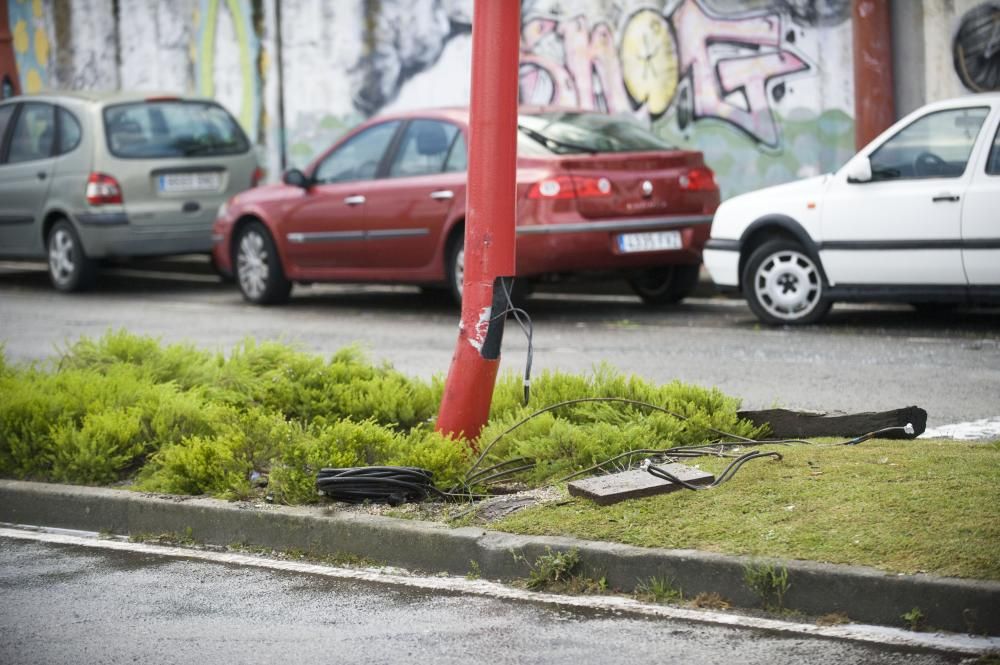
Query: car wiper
549,142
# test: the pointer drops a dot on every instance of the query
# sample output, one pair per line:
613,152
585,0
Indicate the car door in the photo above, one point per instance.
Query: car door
325,229
25,175
981,216
904,225
408,210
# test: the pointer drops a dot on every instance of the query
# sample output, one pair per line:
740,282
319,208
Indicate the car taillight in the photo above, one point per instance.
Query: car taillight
102,189
570,187
700,179
258,175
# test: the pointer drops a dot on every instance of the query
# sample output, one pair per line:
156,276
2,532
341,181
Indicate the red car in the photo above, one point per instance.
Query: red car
386,203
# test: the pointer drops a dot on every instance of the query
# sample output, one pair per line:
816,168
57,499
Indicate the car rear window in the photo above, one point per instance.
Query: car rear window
570,132
152,129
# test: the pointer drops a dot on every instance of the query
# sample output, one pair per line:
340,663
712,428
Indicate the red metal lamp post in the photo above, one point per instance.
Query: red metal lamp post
489,220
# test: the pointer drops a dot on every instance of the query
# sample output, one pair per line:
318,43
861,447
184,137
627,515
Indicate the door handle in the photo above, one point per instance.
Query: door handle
354,200
42,175
944,197
442,195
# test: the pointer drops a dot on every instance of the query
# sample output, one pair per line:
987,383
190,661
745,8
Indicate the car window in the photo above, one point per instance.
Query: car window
992,164
69,131
424,148
172,128
570,132
358,159
5,113
33,135
458,157
934,146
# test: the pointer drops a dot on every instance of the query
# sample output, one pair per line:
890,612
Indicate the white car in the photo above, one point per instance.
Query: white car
913,217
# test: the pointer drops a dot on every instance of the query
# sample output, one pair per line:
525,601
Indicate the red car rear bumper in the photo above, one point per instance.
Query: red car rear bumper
593,245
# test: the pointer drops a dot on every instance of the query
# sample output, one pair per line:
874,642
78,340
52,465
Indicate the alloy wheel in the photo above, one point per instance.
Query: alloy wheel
62,256
788,285
252,264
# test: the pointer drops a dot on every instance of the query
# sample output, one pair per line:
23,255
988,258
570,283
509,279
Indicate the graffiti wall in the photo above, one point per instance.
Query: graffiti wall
963,46
31,44
763,87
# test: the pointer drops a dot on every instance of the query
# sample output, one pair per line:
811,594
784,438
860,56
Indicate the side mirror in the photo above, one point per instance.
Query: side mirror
859,170
295,178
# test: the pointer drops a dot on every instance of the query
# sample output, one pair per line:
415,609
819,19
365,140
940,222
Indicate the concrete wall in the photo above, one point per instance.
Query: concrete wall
763,87
945,48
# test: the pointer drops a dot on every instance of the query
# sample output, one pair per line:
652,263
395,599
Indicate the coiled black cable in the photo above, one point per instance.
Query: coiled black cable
394,485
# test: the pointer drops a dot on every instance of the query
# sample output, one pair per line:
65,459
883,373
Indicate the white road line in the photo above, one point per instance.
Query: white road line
976,430
949,642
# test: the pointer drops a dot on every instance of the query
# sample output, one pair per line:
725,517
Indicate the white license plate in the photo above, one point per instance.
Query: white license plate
190,182
653,241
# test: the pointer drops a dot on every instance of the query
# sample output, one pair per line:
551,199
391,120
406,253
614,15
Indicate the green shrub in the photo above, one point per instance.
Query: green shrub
198,422
222,464
100,450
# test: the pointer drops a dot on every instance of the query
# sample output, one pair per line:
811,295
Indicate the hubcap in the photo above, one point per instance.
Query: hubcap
460,269
251,264
788,285
61,256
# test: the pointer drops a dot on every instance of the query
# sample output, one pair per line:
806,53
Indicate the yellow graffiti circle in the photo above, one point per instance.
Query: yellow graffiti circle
207,62
21,39
41,46
33,81
649,60
36,8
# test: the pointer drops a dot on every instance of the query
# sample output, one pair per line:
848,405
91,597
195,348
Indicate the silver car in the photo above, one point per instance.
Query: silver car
86,176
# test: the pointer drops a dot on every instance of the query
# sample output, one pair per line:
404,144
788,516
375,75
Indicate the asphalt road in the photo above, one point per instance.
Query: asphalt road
863,358
65,604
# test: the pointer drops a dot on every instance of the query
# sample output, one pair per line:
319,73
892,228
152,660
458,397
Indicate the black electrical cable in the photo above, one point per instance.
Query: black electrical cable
728,473
527,328
582,400
382,484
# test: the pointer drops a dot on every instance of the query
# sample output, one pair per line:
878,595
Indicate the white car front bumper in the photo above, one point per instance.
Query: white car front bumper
723,265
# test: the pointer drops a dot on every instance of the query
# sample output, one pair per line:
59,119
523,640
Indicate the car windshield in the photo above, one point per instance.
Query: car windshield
174,128
574,132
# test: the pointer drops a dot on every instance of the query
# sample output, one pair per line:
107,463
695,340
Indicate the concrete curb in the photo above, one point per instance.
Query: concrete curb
863,594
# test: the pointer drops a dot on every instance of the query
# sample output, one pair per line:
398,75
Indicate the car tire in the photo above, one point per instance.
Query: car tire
783,284
70,269
258,268
667,285
455,270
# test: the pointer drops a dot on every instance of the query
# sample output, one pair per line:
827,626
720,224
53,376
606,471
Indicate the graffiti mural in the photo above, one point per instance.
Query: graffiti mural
31,43
226,54
976,48
727,63
704,76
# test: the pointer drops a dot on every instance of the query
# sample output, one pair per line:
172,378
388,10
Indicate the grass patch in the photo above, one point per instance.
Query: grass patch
901,506
128,410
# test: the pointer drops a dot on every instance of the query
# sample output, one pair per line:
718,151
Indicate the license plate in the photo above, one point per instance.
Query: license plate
190,182
653,241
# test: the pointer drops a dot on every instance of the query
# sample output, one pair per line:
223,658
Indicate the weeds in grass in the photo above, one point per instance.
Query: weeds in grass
768,582
475,572
710,601
914,619
658,590
185,539
833,619
560,572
